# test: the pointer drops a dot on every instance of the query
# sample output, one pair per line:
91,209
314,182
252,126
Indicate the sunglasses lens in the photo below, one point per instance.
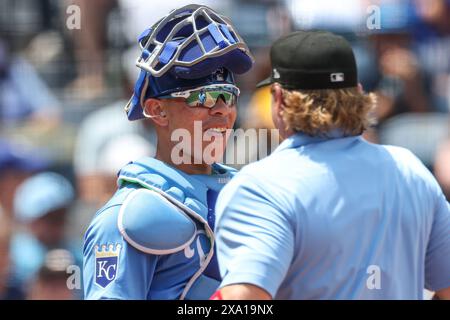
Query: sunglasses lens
208,98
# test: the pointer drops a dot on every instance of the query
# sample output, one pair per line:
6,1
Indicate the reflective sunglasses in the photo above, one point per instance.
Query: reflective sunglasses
207,96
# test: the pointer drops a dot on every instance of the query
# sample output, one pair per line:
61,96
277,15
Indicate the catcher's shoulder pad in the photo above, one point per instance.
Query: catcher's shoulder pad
152,224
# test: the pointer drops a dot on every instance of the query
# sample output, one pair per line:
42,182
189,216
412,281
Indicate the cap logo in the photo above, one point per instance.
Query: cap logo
337,77
276,74
219,74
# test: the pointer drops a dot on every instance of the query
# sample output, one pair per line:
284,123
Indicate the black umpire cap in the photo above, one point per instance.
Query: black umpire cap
312,60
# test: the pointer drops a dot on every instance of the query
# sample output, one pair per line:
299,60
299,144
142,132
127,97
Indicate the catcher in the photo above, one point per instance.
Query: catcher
154,238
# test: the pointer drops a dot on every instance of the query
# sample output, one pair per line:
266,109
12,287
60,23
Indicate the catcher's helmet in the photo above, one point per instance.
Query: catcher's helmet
184,50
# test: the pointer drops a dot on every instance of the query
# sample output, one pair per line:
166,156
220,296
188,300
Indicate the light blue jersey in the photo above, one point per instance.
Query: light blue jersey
335,219
153,239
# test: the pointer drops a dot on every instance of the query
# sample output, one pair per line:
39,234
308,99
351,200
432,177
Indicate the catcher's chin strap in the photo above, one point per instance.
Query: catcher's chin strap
216,296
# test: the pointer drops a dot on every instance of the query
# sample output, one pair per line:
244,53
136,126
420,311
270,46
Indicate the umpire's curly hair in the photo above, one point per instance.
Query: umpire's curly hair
317,112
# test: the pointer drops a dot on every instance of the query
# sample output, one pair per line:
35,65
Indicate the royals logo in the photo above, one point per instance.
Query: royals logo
219,74
106,264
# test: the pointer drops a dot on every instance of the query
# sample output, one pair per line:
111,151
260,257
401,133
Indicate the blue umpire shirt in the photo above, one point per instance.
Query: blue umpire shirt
335,219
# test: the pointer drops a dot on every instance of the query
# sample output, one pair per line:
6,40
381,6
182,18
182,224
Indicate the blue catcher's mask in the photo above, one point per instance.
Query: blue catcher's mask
190,47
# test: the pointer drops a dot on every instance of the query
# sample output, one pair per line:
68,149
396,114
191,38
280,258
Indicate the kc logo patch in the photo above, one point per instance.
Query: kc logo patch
106,264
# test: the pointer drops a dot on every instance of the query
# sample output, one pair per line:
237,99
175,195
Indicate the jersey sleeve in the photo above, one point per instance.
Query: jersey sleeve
437,261
112,268
254,238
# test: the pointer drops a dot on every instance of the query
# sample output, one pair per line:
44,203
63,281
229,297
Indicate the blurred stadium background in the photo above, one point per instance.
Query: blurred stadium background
64,135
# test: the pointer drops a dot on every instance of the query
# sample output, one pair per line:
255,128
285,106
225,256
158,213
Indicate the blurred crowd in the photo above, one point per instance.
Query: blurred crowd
64,134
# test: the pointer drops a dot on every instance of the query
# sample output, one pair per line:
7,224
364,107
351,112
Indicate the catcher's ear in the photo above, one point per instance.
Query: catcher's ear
153,109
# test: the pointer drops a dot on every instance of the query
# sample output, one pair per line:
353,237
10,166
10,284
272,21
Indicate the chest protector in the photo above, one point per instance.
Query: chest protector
163,213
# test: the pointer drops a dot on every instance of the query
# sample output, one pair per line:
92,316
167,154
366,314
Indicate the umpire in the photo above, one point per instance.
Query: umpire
329,215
